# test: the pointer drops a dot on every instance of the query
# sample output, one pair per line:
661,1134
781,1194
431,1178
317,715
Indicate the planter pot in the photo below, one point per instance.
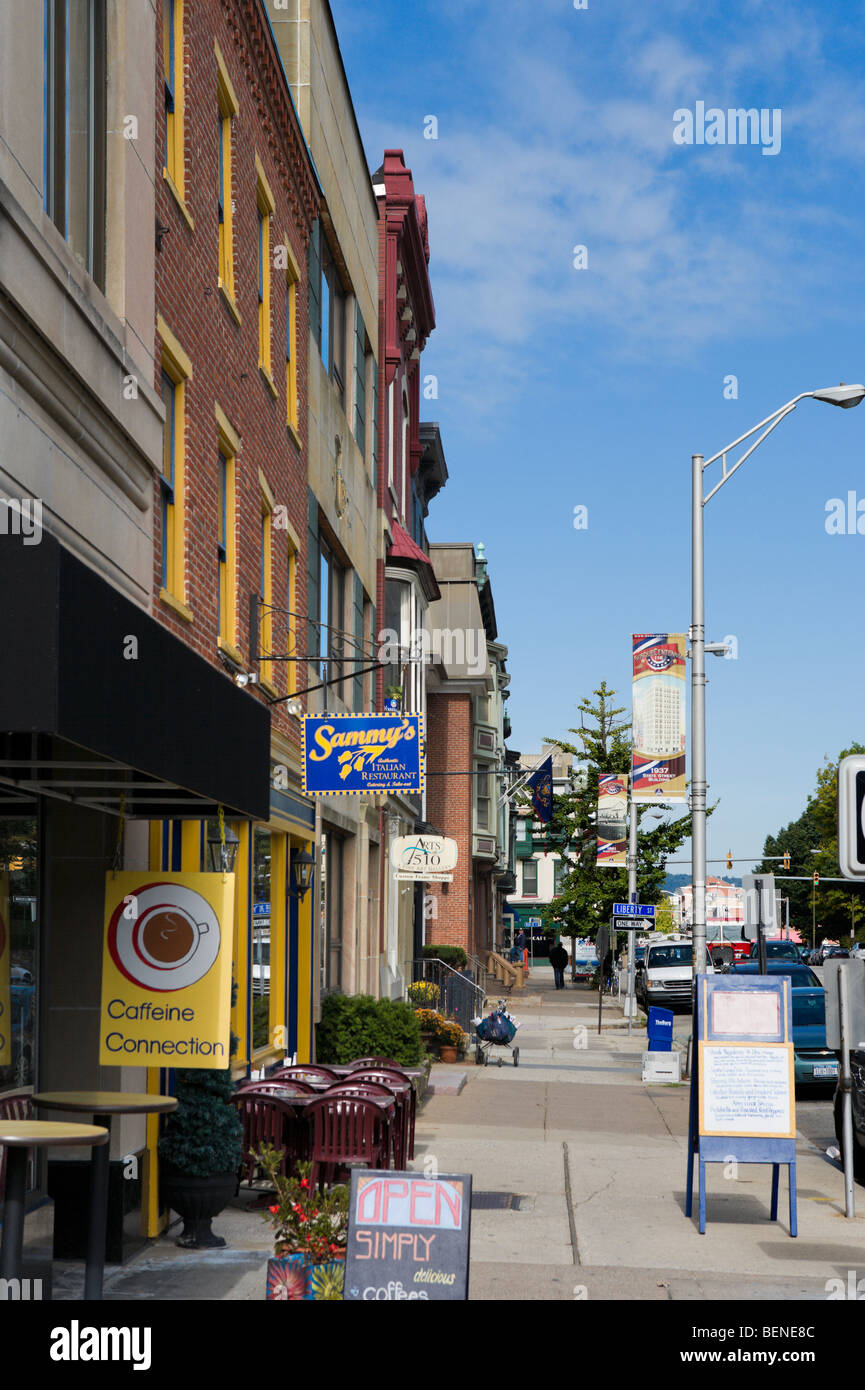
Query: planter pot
197,1201
428,1040
294,1278
447,1053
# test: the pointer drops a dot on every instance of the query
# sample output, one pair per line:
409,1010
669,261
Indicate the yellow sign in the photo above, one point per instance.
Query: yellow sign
166,970
5,992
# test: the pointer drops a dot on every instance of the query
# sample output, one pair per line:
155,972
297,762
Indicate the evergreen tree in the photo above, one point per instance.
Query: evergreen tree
587,893
836,907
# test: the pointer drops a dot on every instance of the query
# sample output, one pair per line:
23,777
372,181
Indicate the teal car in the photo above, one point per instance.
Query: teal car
814,1064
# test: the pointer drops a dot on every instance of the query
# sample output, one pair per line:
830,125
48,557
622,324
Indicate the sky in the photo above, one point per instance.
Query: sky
717,282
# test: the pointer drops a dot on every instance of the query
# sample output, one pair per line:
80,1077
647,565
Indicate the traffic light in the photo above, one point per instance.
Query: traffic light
729,859
786,862
816,879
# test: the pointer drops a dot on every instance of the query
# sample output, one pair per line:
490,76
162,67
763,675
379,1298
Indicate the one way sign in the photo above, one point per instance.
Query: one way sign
851,805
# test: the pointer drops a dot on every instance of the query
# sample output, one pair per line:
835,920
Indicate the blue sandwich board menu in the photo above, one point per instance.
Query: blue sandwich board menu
743,1080
408,1236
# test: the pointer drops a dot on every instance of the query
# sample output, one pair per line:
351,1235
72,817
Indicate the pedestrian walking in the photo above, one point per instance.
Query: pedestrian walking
558,960
521,941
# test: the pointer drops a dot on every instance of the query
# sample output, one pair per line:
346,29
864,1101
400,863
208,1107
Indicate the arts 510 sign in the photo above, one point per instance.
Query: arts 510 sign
360,754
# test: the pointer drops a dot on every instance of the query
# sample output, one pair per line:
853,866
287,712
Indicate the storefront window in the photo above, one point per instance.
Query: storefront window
19,938
261,939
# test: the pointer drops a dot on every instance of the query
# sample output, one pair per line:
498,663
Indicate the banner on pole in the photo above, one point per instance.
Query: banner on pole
658,757
612,822
166,970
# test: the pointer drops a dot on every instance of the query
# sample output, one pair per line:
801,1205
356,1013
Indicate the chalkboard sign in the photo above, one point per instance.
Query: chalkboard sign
408,1236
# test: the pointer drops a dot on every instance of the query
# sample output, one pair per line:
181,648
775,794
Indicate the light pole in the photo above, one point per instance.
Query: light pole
844,396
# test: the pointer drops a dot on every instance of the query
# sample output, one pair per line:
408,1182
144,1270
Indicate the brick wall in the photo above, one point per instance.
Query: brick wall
223,352
449,809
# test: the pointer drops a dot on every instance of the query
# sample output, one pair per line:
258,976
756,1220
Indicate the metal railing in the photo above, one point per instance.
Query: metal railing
459,997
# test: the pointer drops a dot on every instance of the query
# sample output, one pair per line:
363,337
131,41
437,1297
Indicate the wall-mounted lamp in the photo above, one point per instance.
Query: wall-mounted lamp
302,865
222,856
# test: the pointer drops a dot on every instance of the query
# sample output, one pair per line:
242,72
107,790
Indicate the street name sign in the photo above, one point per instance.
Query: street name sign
633,910
408,1236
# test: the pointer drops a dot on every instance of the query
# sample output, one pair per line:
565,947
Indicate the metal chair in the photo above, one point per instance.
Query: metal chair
374,1062
375,1090
288,1086
402,1086
268,1119
310,1071
345,1131
18,1106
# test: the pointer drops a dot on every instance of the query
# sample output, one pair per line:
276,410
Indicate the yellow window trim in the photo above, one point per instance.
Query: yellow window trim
174,166
228,105
228,299
293,540
179,199
294,434
266,201
292,270
230,651
228,434
172,350
266,492
266,684
181,608
271,384
228,441
225,87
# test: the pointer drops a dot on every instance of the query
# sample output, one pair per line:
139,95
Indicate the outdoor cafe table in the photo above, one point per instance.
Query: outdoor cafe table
103,1104
17,1136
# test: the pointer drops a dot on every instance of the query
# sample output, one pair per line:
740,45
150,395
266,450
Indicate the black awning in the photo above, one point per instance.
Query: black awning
156,722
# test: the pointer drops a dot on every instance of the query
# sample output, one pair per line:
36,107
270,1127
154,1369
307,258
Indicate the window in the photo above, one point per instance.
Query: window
521,830
530,878
75,127
327,302
374,451
172,68
405,457
20,912
227,107
291,625
330,902
560,873
482,793
360,367
357,650
325,590
266,208
228,447
265,584
261,921
176,372
292,279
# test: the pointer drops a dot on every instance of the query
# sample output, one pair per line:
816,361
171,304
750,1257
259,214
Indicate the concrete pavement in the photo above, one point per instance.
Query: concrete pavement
599,1161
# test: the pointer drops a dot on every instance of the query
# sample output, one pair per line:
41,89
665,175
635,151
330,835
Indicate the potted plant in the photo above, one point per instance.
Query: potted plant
392,697
310,1229
451,1040
430,1022
199,1153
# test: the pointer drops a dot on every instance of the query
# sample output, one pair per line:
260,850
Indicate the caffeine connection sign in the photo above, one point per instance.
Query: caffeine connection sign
408,1236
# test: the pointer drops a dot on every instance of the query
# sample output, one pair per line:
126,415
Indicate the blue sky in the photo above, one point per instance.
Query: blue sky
561,387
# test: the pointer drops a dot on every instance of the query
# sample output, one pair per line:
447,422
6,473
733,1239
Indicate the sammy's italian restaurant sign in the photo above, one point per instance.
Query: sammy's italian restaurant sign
360,754
166,970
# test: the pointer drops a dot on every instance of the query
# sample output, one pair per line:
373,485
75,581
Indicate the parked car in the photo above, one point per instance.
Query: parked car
666,975
777,950
814,1063
837,953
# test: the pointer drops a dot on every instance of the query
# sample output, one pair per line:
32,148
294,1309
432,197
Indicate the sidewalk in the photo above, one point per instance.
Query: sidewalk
598,1162
594,1163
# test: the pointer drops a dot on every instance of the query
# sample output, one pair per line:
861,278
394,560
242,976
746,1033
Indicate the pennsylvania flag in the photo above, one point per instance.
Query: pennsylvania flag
541,783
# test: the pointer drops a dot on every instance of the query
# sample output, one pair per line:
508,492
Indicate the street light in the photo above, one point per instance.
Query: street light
844,396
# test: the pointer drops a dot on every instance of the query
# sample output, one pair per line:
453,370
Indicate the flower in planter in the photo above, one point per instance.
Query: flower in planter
286,1282
305,1221
327,1281
424,994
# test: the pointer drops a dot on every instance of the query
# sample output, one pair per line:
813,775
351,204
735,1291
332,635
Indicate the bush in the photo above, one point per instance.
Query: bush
453,956
423,994
202,1136
357,1025
260,1020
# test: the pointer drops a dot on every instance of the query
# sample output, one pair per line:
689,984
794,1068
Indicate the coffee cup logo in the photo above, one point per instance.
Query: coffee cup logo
171,943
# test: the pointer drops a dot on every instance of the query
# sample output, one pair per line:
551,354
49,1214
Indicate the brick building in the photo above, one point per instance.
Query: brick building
235,206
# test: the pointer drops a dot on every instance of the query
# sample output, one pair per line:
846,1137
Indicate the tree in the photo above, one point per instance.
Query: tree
835,906
587,892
